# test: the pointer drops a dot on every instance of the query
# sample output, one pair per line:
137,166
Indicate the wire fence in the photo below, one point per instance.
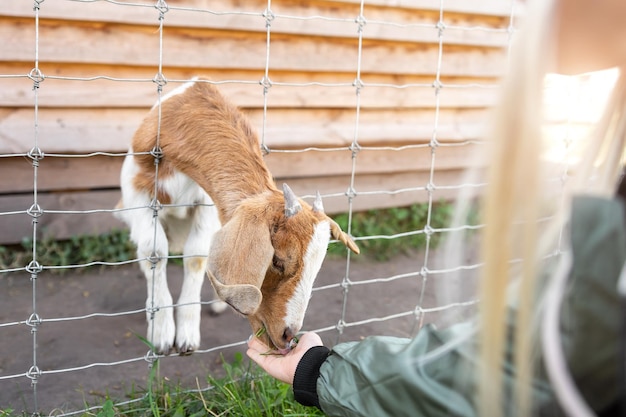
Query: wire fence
352,285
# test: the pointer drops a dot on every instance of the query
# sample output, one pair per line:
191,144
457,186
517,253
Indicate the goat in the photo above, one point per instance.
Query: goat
261,247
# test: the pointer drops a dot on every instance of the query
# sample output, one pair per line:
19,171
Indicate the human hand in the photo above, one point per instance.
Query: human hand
281,367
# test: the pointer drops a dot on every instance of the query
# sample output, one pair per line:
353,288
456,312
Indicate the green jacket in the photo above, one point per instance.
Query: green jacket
432,374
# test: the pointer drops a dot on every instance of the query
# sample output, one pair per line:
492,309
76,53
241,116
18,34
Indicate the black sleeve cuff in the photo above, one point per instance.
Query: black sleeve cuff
307,372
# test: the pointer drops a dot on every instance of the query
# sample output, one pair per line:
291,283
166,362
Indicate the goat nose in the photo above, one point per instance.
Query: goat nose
288,334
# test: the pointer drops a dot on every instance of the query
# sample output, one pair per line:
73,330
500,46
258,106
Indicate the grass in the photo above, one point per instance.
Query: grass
393,221
113,246
244,391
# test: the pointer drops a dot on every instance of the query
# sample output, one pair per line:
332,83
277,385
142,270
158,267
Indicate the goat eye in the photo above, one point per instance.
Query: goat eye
278,264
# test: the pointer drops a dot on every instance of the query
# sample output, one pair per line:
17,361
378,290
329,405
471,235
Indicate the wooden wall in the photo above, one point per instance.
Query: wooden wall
98,59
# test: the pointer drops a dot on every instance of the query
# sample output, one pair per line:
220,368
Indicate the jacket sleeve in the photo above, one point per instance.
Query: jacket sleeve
386,376
307,373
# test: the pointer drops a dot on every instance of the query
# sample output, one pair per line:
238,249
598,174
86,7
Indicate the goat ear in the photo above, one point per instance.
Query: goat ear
340,235
335,230
240,254
244,298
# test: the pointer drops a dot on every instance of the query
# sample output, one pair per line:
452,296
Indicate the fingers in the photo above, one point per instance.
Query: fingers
310,339
255,344
275,365
257,351
281,367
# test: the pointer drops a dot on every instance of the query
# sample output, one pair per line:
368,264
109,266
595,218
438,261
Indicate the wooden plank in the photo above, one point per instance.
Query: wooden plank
62,174
67,130
243,88
59,174
403,24
485,7
106,43
335,8
105,93
302,90
79,131
16,227
313,164
379,191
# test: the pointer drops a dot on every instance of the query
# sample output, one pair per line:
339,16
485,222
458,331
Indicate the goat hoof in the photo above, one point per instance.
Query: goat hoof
163,350
185,351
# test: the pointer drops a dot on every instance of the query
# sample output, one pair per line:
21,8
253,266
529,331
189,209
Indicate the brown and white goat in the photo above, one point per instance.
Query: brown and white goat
264,246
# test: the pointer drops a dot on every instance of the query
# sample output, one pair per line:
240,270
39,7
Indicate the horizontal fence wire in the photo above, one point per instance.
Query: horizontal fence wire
426,268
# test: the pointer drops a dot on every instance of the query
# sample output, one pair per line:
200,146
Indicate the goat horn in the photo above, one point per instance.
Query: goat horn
318,207
292,205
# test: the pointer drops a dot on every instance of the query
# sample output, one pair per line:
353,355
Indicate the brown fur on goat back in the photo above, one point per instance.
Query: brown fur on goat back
197,128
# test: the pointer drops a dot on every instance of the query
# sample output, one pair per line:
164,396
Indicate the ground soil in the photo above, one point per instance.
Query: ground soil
86,359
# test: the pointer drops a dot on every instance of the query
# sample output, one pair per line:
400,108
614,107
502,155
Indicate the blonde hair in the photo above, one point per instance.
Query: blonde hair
514,202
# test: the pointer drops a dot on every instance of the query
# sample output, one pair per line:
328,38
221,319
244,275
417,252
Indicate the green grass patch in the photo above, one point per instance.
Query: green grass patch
116,246
113,246
391,222
244,391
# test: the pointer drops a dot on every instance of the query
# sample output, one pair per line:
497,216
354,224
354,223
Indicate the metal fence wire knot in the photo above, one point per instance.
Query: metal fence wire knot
266,83
36,155
160,80
269,16
34,268
162,7
37,77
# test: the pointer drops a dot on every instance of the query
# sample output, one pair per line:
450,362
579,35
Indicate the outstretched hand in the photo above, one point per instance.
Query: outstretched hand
281,367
